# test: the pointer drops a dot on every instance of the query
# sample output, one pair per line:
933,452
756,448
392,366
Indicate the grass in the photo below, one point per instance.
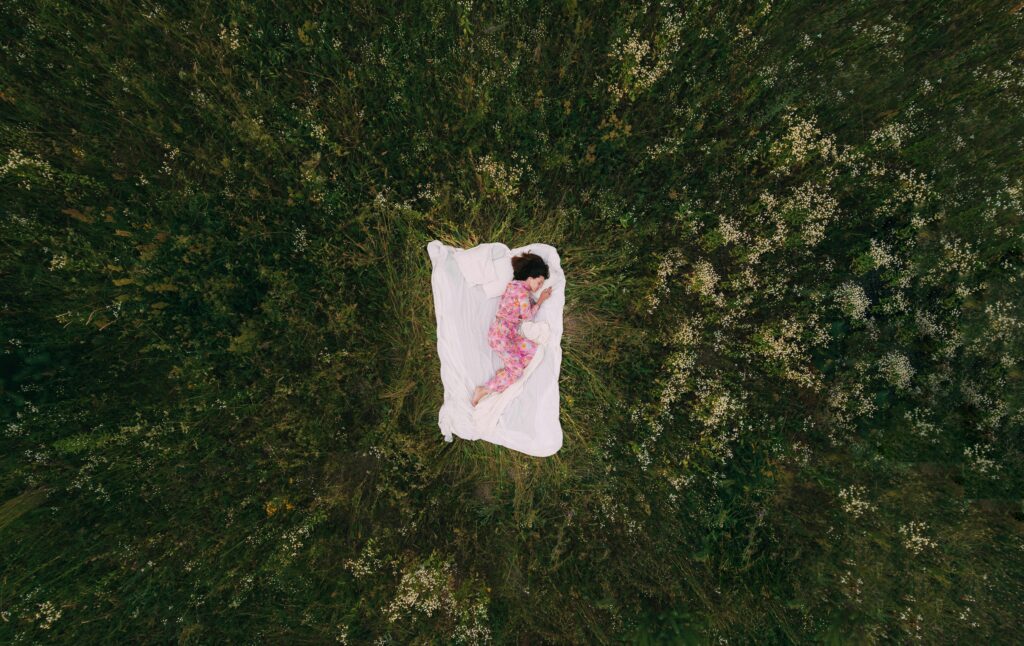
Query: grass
220,381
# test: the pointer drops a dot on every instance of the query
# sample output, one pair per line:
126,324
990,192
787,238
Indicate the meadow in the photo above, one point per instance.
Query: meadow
793,236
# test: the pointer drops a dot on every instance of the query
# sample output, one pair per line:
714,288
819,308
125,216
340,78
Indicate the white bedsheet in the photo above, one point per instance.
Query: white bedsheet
524,417
488,265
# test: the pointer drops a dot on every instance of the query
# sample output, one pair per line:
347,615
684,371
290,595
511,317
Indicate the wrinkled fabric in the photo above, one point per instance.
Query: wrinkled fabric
488,265
525,415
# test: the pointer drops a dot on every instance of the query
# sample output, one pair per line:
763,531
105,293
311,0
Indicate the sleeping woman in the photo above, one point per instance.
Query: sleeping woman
529,272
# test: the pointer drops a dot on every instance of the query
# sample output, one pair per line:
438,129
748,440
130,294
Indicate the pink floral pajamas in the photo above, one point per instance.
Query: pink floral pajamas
503,336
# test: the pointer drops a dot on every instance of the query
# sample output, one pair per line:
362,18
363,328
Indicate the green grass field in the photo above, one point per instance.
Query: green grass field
793,235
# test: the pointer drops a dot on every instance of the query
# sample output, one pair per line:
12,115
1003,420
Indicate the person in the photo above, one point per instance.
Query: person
529,272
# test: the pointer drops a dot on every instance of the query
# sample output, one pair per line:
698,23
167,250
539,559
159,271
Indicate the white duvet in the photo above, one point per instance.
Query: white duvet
467,285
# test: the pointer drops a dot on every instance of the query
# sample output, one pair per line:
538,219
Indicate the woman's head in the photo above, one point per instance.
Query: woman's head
531,269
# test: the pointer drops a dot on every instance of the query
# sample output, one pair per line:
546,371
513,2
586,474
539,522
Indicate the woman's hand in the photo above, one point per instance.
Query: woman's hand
545,295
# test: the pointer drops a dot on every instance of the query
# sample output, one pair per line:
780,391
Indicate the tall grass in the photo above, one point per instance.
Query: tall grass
791,380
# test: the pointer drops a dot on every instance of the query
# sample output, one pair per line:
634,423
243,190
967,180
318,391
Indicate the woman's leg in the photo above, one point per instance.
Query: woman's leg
525,348
515,351
501,380
506,376
497,338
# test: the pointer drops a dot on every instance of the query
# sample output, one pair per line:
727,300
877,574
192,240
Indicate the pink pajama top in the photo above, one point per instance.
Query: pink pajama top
516,304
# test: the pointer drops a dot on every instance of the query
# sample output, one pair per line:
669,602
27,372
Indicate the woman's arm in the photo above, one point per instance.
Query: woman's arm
527,308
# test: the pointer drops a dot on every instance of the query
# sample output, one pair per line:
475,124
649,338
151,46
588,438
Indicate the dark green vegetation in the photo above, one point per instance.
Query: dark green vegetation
791,387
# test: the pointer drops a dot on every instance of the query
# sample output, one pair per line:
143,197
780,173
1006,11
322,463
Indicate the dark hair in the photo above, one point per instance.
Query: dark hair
529,265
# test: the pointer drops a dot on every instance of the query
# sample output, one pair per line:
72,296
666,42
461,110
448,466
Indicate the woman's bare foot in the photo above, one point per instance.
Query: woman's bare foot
478,394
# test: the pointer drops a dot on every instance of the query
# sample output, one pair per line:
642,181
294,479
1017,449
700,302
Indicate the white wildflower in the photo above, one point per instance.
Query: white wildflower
367,563
854,501
59,261
980,460
892,134
668,265
852,300
504,177
881,254
704,278
301,242
46,614
914,538
896,369
230,36
638,65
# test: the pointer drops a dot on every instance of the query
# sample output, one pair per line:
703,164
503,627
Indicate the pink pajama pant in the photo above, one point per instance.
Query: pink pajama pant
515,351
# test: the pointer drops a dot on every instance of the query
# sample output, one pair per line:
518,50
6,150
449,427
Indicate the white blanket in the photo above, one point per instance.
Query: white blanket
525,416
489,265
